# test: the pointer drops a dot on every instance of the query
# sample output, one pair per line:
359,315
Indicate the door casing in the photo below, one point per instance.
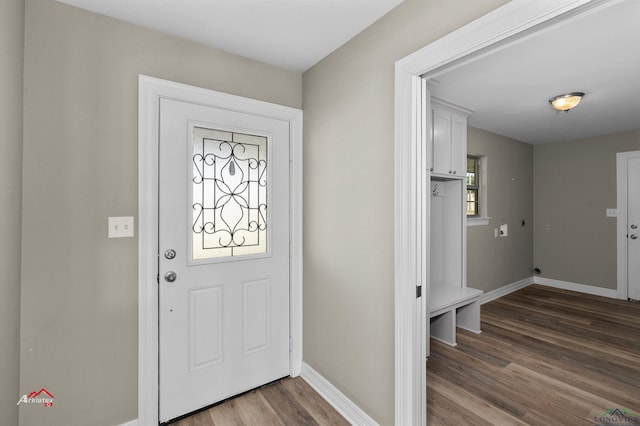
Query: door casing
622,159
150,91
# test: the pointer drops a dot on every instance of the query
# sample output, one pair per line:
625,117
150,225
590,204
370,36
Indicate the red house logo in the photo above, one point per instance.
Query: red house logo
43,397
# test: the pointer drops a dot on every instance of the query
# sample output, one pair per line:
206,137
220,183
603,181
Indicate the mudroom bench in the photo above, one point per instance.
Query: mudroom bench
452,307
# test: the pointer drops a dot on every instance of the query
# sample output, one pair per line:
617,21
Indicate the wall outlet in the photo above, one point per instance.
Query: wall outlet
120,227
504,230
612,213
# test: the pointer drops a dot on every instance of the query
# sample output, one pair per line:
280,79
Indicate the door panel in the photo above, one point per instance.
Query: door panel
206,323
224,210
441,155
459,145
256,315
633,227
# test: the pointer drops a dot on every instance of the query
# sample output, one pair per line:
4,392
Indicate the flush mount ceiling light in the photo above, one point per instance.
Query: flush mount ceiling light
566,102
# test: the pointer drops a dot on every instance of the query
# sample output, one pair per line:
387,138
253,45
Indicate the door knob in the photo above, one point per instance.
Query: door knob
170,276
634,226
633,236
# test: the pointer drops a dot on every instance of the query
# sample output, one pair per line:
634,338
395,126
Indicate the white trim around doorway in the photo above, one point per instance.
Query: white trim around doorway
150,91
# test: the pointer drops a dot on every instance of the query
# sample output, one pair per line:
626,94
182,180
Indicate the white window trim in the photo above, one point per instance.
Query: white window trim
478,221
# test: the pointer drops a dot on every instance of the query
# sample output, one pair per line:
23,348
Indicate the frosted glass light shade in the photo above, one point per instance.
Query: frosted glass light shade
566,102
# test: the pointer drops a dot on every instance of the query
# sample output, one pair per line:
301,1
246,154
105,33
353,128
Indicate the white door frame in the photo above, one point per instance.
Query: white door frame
622,160
505,25
150,91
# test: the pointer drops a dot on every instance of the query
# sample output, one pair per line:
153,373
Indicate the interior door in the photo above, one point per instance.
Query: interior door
633,228
223,254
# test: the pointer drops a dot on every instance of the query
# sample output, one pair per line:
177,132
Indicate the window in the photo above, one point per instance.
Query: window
473,186
229,194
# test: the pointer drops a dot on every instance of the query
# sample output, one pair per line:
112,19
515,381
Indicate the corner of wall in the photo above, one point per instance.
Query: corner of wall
11,122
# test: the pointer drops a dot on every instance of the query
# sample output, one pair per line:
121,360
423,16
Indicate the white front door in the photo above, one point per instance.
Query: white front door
633,227
223,254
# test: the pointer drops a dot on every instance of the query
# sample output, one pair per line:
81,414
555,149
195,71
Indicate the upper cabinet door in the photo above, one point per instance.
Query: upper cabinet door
459,145
449,141
441,152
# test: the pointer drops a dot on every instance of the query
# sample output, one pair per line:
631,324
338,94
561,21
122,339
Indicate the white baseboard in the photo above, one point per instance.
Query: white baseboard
504,290
350,411
581,288
130,423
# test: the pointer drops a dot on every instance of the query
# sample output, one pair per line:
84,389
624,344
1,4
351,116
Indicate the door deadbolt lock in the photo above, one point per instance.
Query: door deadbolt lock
170,254
633,236
634,226
170,276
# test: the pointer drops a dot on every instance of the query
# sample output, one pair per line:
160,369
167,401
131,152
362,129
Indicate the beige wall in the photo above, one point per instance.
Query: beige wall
11,52
494,262
574,183
348,199
79,292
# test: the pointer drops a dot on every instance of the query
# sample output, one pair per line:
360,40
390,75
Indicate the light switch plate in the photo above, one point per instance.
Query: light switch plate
121,227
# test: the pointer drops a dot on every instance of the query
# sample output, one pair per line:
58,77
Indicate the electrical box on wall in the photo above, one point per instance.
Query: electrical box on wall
504,230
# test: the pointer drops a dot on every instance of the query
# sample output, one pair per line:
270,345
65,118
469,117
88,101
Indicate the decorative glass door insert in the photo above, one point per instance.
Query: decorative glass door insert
229,194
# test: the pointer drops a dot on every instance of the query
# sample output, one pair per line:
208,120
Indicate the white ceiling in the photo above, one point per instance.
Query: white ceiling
597,54
507,90
290,34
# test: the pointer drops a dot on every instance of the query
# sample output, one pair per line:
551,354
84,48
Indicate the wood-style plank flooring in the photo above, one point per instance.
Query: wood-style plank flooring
544,357
290,401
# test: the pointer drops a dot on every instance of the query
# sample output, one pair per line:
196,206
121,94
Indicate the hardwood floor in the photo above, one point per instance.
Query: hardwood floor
290,401
545,357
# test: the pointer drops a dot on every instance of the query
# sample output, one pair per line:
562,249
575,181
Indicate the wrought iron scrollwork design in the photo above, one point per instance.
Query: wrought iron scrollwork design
230,188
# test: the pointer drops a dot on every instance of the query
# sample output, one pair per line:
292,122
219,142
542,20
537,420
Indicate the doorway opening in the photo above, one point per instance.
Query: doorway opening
505,25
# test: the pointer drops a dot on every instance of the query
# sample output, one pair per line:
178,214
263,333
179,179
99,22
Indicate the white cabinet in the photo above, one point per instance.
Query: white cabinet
449,139
451,303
